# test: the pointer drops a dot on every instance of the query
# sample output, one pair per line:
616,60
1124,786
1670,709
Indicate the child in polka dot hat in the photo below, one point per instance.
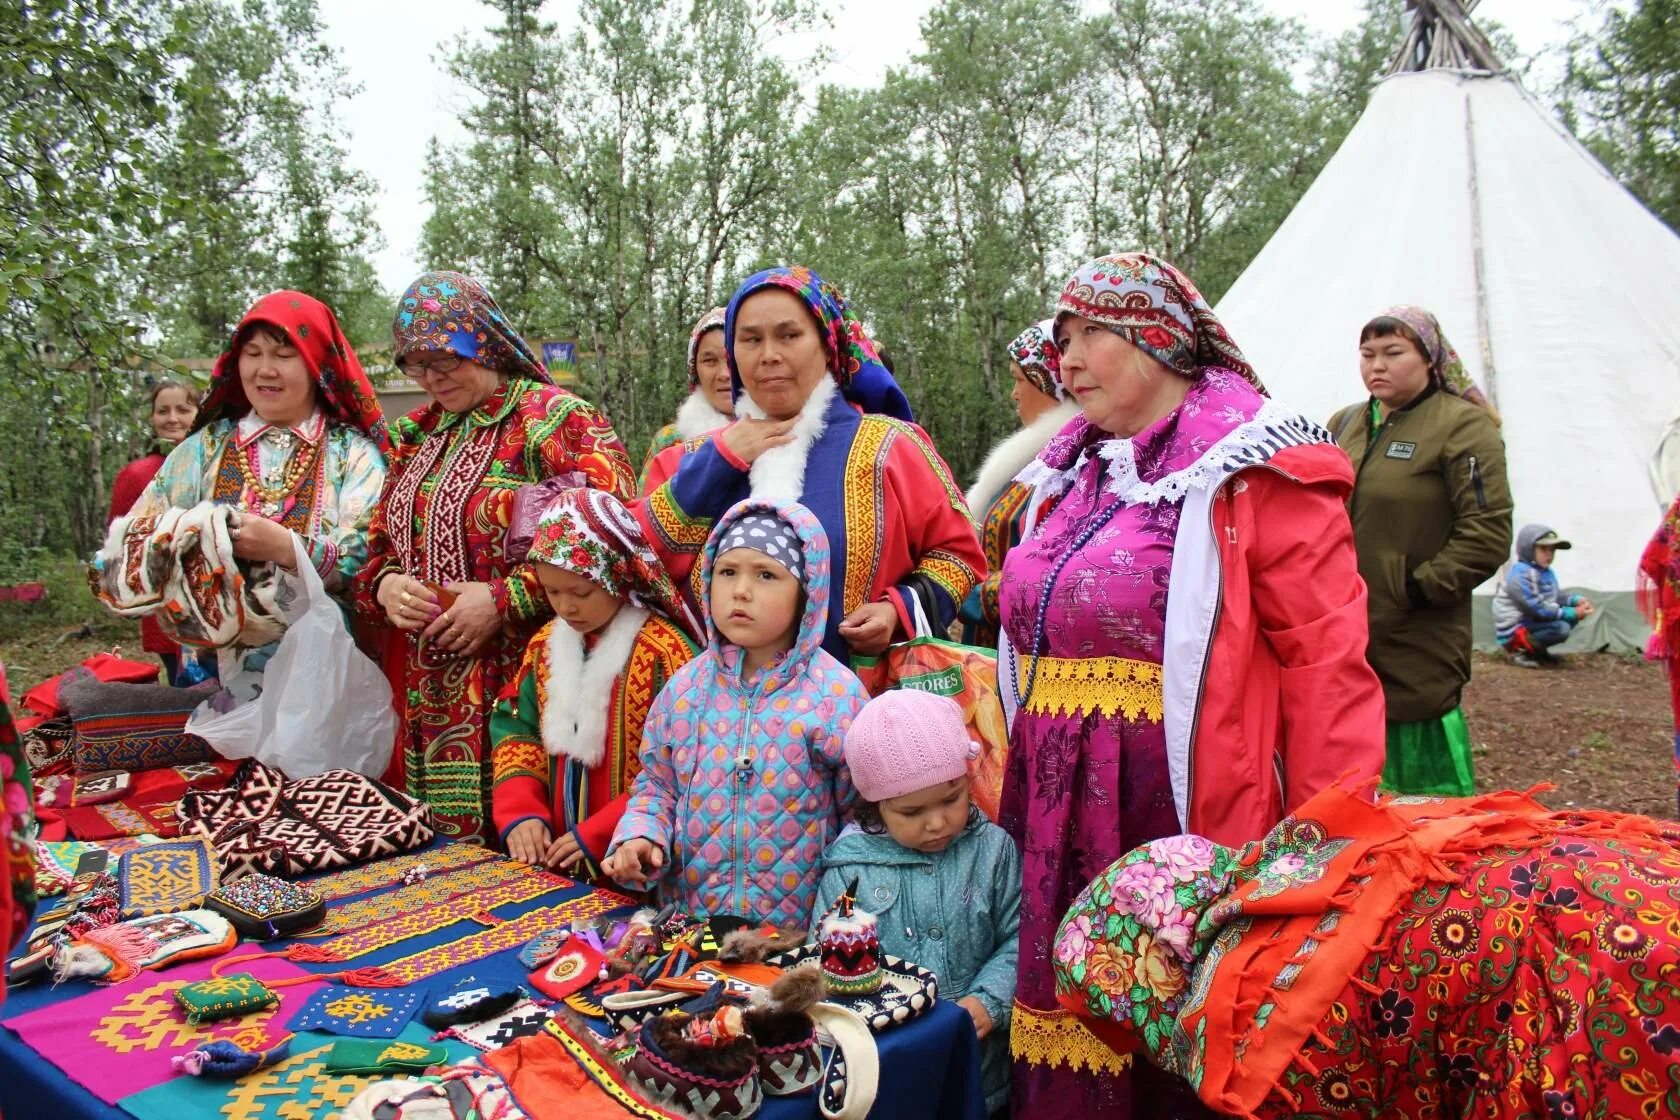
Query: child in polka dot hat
743,780
942,881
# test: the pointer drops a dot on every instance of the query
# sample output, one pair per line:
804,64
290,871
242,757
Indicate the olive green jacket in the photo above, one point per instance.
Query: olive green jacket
1431,514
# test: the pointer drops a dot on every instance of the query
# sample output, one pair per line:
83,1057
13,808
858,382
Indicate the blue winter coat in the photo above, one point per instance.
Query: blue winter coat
956,913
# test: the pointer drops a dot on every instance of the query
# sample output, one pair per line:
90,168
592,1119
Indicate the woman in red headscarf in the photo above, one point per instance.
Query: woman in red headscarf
290,432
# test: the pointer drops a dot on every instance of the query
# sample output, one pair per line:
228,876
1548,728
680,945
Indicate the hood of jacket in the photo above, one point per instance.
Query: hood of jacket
1526,539
812,624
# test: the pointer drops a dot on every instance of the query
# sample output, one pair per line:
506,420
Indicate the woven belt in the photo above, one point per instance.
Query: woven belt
1067,686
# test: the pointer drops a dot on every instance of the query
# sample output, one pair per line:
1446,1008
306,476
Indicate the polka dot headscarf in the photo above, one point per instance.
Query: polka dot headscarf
765,532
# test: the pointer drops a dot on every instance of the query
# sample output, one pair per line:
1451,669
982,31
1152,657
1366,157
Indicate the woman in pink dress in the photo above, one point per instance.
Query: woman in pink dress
1183,640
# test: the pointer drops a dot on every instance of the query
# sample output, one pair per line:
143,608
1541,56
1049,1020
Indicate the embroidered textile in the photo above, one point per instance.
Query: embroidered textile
1111,686
359,1012
388,872
435,889
167,876
224,997
114,953
395,1056
122,819
503,935
17,828
445,910
450,312
263,822
344,391
523,1019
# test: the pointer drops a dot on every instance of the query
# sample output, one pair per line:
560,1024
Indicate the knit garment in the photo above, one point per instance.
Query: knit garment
905,740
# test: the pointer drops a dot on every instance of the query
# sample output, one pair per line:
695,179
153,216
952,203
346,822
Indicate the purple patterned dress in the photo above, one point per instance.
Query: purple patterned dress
1087,777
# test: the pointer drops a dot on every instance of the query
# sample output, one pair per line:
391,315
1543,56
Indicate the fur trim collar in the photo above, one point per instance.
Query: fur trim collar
574,715
697,417
1009,457
778,475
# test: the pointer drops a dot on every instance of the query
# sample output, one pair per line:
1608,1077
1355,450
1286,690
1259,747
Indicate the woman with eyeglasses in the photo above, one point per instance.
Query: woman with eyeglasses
438,569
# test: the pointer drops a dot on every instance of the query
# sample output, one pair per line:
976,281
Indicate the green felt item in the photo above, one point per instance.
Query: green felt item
370,1055
223,997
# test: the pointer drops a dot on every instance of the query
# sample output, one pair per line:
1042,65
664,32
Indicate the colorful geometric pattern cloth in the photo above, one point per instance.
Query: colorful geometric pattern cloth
167,876
335,885
360,1012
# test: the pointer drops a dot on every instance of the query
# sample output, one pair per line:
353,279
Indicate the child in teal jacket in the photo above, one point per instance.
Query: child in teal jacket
908,753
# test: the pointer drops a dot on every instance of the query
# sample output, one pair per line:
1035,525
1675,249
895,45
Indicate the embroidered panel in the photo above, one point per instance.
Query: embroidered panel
167,876
437,890
865,504
503,935
523,1019
359,1012
387,872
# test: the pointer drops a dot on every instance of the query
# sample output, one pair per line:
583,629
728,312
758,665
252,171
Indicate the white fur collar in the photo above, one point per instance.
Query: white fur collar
574,715
779,473
1007,459
697,417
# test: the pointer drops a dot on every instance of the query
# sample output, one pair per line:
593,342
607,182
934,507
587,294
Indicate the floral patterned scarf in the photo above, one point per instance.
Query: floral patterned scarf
1034,350
1446,368
852,357
346,393
710,321
590,533
1156,308
450,311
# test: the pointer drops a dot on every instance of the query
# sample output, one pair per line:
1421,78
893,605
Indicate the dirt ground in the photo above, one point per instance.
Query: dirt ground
1597,727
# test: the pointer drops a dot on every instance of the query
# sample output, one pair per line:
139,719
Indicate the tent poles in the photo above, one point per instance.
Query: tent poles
1479,266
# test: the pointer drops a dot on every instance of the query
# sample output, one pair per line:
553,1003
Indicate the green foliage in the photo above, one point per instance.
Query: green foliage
68,601
1621,95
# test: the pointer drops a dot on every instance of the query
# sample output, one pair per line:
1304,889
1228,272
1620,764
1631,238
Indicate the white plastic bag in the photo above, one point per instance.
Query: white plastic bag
322,704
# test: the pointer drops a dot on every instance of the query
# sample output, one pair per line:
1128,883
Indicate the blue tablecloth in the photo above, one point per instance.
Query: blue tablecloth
930,1068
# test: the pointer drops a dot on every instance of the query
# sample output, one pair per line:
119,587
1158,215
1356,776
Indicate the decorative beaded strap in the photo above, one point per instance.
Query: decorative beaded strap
442,912
1074,685
386,872
366,912
503,935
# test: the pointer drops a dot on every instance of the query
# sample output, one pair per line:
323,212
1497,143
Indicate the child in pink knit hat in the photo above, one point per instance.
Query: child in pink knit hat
943,882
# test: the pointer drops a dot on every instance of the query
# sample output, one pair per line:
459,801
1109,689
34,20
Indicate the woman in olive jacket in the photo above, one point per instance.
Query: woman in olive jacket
1431,514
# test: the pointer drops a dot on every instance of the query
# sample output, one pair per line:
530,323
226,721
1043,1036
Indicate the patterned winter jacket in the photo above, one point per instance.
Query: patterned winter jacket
743,783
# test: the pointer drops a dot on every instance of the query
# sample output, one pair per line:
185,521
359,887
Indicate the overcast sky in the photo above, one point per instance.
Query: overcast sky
390,48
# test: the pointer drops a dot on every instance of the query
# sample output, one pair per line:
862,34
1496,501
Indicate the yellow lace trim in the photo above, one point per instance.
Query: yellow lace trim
1058,1038
1073,685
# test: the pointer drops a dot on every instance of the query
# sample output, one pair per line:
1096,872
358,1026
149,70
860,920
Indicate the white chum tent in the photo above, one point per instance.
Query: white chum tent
1456,191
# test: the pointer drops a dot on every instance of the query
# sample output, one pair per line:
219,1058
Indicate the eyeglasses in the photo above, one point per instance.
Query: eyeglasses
442,363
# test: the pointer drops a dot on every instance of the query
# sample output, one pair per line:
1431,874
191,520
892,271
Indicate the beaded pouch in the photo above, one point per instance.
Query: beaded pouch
224,997
262,907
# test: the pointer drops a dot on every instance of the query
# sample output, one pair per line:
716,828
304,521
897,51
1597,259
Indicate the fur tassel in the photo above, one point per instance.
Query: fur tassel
782,1015
77,960
752,946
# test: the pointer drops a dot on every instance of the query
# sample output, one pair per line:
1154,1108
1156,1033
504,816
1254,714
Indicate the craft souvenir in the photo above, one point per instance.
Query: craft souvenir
849,943
91,902
544,947
132,726
906,990
222,997
738,979
470,1001
523,1019
263,907
352,1055
167,876
117,952
225,1060
263,822
358,1012
779,1020
705,1063
574,968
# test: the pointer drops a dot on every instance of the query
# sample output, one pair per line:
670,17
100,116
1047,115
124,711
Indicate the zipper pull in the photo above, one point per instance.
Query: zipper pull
743,768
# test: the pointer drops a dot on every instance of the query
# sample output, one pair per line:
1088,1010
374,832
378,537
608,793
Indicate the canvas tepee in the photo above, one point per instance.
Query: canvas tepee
1458,192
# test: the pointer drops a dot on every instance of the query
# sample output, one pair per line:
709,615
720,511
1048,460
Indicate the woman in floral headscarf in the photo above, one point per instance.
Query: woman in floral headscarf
710,404
438,567
1035,367
1416,958
568,734
825,425
1183,633
290,432
1431,517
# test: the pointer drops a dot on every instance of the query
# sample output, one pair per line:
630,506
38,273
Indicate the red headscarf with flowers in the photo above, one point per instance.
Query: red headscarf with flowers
345,393
1156,308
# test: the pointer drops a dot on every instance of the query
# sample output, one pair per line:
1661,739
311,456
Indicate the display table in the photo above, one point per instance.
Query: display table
86,1051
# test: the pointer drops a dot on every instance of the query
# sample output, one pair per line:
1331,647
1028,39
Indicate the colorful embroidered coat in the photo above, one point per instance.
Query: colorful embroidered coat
564,792
17,829
331,509
126,489
444,517
743,781
668,436
896,521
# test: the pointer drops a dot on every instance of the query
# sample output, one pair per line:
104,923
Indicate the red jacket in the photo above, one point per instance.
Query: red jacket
1288,703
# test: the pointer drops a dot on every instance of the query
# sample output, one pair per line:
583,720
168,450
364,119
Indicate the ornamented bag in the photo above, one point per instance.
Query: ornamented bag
262,822
223,997
263,907
132,726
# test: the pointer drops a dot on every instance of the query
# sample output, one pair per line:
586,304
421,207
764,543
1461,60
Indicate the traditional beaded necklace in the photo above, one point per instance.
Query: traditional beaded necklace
271,501
1079,542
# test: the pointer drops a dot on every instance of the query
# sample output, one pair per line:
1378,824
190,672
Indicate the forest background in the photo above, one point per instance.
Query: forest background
163,162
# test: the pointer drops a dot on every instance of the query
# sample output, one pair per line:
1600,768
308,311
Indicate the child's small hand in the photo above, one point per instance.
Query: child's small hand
635,862
1584,607
977,1011
527,841
564,854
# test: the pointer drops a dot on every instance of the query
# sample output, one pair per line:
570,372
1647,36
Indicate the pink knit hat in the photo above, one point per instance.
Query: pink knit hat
905,740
